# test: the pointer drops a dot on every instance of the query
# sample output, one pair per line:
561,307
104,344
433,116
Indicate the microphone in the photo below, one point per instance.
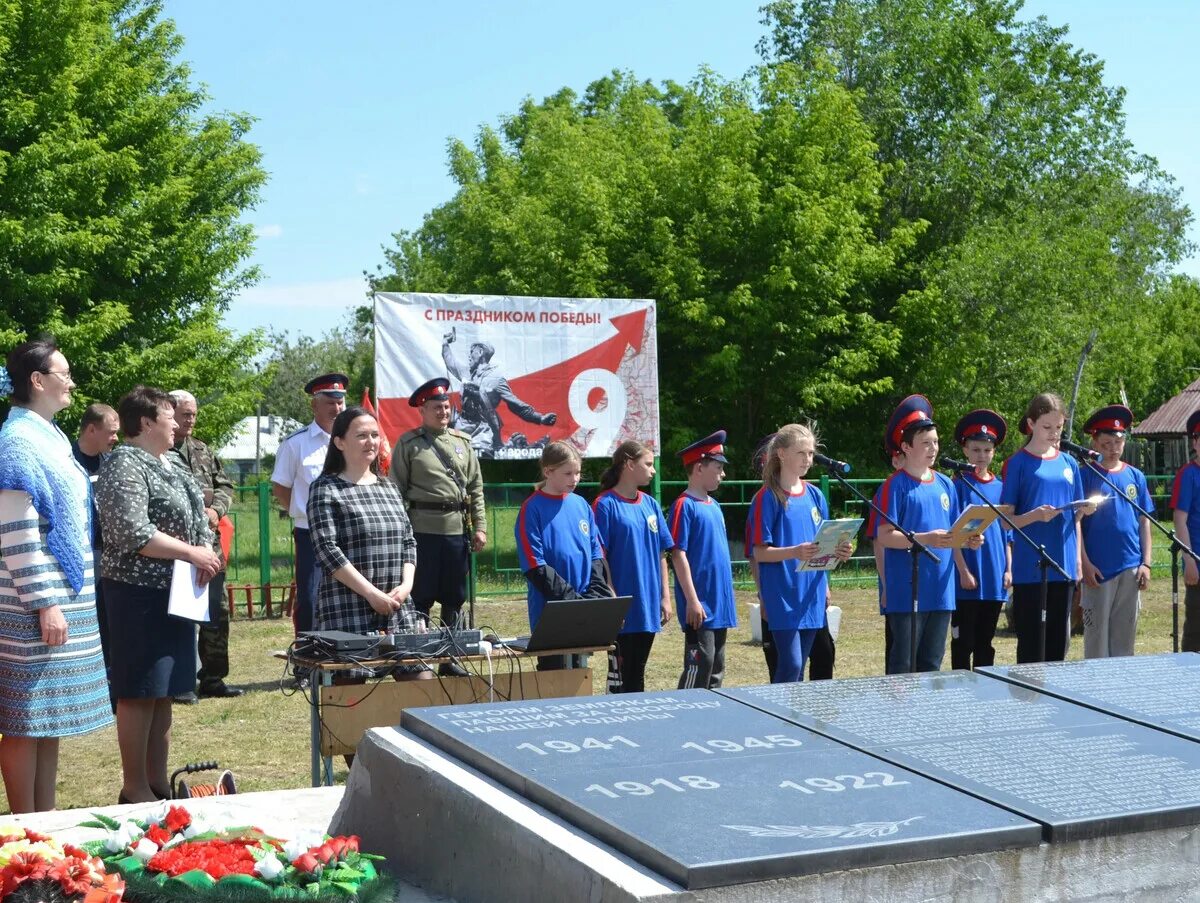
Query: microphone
825,461
1078,450
957,466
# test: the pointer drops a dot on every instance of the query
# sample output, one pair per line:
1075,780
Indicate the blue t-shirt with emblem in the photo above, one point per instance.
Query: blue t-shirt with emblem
698,529
558,531
633,533
1112,536
919,505
792,600
989,562
1185,496
1029,482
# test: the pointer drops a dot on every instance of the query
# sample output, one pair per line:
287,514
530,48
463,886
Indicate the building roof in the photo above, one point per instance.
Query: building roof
241,445
1171,418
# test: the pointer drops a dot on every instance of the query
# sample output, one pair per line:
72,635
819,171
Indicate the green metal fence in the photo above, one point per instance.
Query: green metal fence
262,543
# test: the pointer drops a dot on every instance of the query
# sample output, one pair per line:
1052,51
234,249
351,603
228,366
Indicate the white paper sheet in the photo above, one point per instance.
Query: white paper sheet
188,599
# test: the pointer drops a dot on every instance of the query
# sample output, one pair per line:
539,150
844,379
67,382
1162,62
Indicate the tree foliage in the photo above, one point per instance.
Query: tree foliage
749,211
120,205
1044,221
348,349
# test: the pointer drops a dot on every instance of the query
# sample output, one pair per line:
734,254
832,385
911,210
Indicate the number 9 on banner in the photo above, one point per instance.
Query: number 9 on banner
605,390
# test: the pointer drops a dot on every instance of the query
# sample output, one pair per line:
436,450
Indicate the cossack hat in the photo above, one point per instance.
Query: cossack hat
710,448
333,384
913,411
1193,423
981,424
434,390
1115,419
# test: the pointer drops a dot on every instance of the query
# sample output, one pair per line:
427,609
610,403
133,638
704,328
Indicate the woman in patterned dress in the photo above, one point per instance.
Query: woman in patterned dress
361,535
51,670
152,513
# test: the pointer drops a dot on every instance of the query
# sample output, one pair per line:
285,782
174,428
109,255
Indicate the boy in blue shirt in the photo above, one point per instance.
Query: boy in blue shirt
984,575
1185,500
923,502
703,569
1116,541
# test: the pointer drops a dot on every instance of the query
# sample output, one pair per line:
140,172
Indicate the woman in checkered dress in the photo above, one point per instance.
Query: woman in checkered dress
361,535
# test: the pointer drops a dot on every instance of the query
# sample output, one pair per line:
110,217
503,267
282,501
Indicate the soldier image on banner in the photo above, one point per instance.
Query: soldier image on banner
483,388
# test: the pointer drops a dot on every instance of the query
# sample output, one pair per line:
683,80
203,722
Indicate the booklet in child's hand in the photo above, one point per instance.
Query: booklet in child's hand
973,521
830,535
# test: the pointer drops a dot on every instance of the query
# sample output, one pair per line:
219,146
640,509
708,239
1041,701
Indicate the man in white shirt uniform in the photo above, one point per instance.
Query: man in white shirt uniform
299,461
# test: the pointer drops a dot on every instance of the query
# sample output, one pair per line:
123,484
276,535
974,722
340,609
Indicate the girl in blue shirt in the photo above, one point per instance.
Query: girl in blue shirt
633,533
784,518
1038,482
557,545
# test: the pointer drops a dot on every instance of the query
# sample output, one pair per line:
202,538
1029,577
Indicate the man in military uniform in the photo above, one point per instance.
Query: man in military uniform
200,460
483,390
299,461
439,476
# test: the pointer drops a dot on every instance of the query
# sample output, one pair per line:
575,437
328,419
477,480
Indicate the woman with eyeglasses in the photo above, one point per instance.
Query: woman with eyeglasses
52,681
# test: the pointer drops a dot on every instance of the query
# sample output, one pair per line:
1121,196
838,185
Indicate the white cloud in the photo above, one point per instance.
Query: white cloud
270,230
331,294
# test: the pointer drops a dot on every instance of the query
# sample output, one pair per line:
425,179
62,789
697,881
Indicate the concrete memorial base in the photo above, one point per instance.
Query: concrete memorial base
450,830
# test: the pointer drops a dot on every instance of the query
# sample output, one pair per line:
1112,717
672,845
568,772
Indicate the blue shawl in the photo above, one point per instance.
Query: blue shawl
30,462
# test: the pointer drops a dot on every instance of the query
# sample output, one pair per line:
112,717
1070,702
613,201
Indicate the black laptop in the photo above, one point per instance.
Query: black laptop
575,624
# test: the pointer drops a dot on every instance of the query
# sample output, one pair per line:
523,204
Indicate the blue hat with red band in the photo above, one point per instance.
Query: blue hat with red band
710,448
1115,418
434,390
328,384
1193,423
913,411
981,424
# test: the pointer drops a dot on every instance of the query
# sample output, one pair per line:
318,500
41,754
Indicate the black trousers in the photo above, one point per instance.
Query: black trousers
820,660
627,664
1190,641
1027,619
213,641
442,566
703,658
972,629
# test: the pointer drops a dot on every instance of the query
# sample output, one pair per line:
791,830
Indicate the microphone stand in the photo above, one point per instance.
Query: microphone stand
1044,561
1176,545
916,549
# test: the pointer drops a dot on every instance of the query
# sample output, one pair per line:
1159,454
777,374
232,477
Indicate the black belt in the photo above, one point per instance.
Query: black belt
438,506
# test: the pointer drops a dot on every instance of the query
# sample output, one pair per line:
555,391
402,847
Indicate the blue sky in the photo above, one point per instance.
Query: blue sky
354,111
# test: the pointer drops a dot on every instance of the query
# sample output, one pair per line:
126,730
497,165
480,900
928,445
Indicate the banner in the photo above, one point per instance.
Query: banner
523,371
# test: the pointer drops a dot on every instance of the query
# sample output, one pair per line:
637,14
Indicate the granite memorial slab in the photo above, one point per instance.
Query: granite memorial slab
1160,691
707,791
1079,772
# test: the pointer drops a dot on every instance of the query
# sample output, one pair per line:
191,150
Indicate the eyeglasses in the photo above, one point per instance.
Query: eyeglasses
64,375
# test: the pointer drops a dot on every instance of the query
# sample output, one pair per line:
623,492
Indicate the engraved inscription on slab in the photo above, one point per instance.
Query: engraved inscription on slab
1162,691
1078,771
709,792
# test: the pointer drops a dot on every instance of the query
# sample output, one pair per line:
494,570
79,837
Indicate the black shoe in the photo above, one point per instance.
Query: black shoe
452,669
219,690
188,698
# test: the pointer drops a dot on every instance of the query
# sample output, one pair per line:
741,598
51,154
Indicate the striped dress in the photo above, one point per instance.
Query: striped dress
44,691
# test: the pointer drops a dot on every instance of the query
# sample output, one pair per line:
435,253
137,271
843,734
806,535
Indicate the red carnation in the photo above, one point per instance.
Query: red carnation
23,866
73,875
177,819
352,843
158,834
35,837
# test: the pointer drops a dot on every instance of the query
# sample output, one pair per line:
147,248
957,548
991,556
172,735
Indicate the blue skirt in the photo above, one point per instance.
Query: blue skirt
152,654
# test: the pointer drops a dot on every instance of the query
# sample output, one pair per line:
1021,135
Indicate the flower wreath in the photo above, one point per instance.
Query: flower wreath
176,855
35,866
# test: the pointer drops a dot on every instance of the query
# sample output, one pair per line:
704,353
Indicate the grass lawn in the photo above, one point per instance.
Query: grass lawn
263,736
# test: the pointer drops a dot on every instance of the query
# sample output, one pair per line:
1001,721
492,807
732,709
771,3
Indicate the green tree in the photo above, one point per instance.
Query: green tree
348,349
121,204
1043,221
749,211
